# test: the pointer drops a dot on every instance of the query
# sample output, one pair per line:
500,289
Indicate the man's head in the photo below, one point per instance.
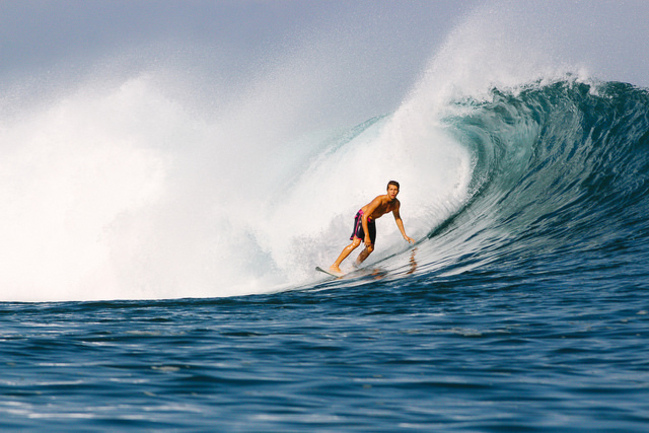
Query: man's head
393,189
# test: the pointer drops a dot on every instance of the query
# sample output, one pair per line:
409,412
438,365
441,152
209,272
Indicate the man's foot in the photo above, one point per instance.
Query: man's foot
335,270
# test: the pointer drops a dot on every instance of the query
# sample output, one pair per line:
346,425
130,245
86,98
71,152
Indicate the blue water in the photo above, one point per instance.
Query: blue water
524,309
464,354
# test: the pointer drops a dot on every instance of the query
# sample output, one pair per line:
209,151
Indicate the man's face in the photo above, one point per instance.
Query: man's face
392,192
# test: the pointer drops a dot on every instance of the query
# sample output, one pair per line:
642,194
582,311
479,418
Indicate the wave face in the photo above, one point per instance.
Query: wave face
559,191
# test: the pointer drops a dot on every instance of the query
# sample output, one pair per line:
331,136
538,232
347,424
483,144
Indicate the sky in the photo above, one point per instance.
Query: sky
375,44
41,31
49,43
379,47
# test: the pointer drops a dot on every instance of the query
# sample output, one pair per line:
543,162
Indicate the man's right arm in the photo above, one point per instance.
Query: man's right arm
399,221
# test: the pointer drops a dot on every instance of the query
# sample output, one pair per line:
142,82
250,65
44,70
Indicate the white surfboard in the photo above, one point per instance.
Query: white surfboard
318,268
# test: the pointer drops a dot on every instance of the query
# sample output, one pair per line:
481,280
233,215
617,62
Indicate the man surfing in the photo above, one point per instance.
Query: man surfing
365,228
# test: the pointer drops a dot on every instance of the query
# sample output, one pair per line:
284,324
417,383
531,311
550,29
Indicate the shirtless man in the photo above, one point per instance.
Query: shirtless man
365,229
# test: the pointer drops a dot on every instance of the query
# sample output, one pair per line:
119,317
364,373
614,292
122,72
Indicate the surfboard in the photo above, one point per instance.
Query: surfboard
318,268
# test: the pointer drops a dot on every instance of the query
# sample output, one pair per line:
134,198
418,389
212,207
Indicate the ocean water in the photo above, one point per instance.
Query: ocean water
157,267
524,310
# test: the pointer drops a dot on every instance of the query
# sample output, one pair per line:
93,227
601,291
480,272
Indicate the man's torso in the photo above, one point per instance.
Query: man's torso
384,207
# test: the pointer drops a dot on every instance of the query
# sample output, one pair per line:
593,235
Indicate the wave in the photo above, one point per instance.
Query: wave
543,175
133,177
560,181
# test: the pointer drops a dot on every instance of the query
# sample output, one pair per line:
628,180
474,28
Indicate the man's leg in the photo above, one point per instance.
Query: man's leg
371,227
364,254
343,255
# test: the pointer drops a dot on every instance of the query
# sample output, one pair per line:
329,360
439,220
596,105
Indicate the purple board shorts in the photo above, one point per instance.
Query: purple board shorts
358,228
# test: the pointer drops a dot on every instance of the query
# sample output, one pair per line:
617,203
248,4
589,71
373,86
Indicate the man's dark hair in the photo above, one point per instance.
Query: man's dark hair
393,182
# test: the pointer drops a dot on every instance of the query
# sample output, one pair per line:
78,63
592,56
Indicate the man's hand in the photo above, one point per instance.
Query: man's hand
368,241
409,239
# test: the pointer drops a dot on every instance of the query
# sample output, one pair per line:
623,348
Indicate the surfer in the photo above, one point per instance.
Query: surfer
365,228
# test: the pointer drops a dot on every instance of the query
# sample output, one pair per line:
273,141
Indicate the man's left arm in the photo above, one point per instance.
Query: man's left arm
399,221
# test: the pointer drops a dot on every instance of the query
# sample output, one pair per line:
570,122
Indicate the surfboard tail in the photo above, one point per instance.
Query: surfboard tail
336,275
